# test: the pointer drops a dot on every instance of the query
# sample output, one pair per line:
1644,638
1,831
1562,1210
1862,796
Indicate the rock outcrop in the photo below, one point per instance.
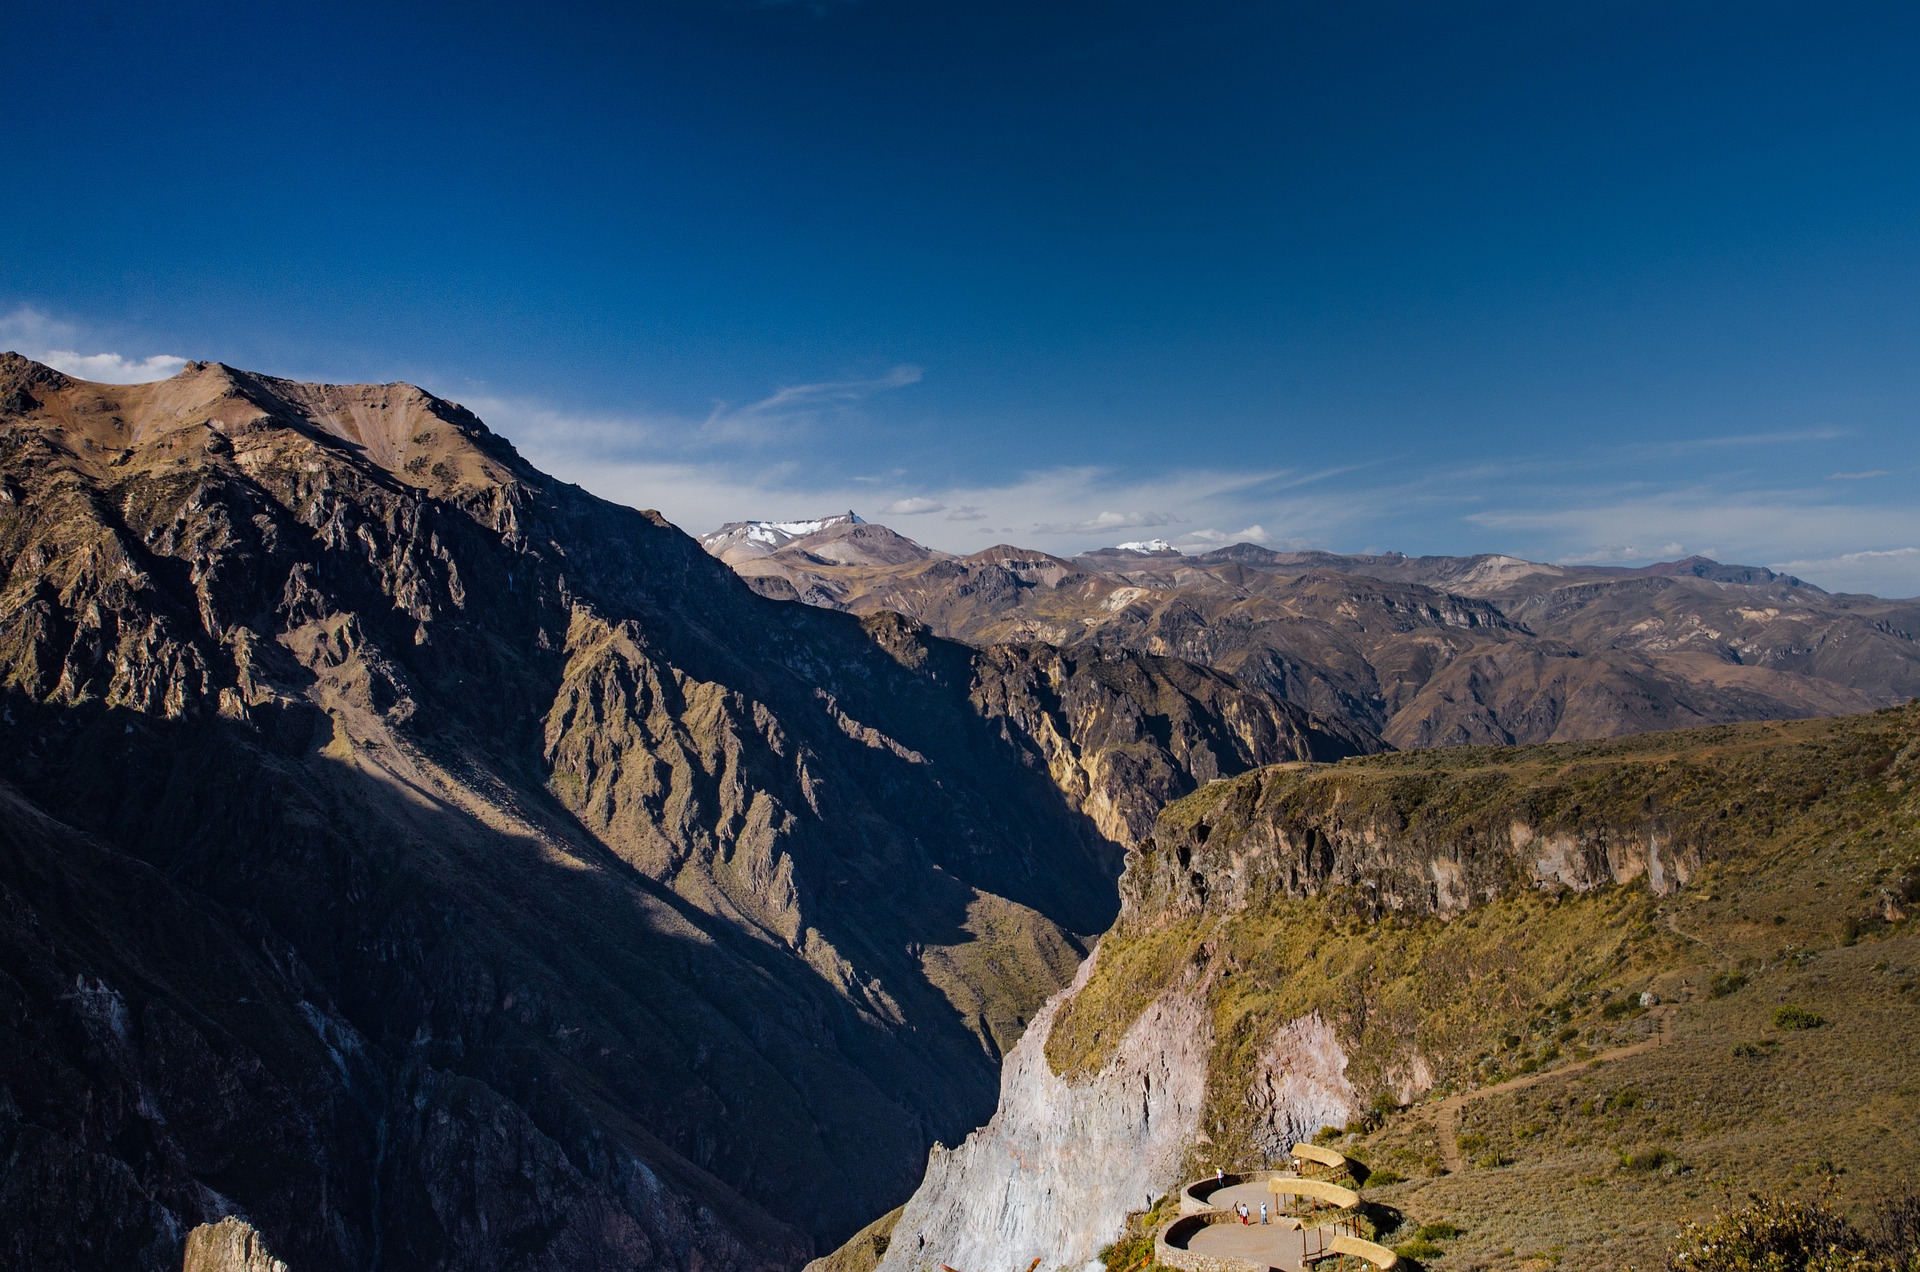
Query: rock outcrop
230,1245
1054,1173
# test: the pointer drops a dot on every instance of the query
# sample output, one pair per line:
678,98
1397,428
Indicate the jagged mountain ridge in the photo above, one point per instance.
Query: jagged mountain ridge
437,865
1425,651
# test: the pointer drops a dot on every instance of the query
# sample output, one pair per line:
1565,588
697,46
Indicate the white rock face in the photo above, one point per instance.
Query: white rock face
1300,1085
1055,1172
1053,1175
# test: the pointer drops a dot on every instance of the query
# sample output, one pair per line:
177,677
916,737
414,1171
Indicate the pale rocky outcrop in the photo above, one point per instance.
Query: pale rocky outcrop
1055,1172
1299,1086
229,1246
1054,1175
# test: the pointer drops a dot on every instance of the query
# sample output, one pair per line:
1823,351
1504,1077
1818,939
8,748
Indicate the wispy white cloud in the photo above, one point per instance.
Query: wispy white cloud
797,405
772,459
1809,529
1886,571
44,339
1202,540
1872,472
1107,520
1623,553
913,506
111,368
780,418
1730,441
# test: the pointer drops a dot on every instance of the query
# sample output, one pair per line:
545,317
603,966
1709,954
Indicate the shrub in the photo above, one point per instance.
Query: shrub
1648,1160
1791,1017
1894,1234
1384,1176
1439,1230
1622,1006
1382,1107
1726,983
1418,1249
1771,1235
1472,1142
1128,1253
1493,1161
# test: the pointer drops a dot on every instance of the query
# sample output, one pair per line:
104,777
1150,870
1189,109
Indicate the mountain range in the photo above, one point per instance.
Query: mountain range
1423,651
411,860
435,866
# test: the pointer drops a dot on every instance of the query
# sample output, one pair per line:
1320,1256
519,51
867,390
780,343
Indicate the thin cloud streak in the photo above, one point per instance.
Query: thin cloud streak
1782,437
799,404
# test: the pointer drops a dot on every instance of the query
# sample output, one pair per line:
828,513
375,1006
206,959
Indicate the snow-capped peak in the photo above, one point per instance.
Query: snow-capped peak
775,534
1146,545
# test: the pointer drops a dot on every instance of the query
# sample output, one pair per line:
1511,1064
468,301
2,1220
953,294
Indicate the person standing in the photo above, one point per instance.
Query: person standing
1263,1212
1242,1208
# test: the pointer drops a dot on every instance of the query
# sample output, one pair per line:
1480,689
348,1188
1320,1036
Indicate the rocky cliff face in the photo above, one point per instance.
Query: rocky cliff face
1124,734
444,868
1307,945
1061,1163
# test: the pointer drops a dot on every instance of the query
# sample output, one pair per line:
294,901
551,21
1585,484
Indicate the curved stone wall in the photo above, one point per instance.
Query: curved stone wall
1170,1245
1198,1212
1193,1198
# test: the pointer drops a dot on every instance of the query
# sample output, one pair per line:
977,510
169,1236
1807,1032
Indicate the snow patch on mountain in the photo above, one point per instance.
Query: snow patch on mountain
768,536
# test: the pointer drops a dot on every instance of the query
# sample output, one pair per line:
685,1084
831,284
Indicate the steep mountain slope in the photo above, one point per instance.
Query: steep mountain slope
439,867
1425,651
1720,919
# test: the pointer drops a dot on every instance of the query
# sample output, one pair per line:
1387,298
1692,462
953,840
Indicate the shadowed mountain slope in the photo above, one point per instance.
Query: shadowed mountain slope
1425,651
440,867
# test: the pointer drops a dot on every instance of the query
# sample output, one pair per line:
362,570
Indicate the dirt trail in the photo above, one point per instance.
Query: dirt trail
1446,1114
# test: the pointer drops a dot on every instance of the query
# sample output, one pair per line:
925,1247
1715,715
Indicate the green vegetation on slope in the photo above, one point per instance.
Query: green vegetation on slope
1784,971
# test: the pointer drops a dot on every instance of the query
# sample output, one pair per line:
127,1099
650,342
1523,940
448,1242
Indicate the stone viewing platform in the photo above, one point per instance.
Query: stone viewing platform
1309,1219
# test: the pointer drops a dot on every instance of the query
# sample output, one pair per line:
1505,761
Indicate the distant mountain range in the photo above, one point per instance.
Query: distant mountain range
1423,651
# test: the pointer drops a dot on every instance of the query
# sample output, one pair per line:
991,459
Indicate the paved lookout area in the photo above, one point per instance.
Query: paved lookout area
1277,1245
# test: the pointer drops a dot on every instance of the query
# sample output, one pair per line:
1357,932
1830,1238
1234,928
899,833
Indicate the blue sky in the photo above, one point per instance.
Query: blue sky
1576,281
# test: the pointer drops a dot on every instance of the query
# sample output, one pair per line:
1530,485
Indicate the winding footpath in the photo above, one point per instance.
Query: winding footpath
1446,1114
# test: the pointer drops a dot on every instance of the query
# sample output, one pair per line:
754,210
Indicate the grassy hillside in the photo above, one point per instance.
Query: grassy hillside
1778,966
